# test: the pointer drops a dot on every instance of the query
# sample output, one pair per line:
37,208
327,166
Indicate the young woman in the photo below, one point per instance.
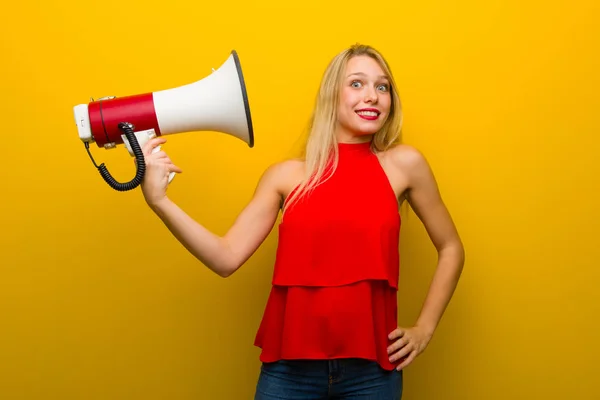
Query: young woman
329,328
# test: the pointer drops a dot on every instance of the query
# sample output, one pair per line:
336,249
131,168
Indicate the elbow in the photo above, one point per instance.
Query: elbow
230,261
221,267
459,254
225,273
225,270
453,251
458,250
223,262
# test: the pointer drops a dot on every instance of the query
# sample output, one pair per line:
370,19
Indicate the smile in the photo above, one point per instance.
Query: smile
368,114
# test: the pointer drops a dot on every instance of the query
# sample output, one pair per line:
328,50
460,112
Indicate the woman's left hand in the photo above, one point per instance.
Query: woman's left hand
409,344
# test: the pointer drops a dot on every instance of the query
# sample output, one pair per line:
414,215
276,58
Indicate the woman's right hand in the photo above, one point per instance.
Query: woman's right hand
158,168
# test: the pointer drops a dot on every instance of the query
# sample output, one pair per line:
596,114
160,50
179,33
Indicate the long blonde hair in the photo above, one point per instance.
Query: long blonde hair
321,151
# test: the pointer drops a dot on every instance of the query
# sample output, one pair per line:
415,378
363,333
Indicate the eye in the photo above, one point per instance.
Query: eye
355,84
383,88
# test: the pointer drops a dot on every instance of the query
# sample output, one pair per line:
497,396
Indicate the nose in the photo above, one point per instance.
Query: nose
370,95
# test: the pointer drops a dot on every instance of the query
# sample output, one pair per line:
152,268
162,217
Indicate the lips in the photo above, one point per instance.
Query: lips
369,114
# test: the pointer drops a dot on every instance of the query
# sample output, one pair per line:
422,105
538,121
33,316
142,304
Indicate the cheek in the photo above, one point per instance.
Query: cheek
345,114
345,100
386,104
347,105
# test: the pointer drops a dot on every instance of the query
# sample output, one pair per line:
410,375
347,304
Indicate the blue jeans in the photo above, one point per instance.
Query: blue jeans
327,379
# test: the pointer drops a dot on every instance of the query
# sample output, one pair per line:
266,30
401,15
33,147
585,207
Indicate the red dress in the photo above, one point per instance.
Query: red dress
335,278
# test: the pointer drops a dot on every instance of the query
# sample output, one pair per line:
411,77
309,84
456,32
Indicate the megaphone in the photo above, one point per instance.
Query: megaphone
218,103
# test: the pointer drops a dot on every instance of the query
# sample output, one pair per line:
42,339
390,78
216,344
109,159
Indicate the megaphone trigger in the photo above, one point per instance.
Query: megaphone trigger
143,137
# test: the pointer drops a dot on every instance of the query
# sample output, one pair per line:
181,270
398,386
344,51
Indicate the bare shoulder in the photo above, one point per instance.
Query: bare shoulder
281,177
283,171
411,162
406,156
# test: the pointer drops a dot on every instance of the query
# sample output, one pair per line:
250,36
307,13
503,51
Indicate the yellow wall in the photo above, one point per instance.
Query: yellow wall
98,301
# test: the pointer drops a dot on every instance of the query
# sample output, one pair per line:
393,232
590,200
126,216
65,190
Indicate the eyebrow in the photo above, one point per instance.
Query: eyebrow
363,74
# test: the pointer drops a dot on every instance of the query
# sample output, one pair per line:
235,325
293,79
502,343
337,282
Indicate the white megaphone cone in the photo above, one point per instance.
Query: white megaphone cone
216,103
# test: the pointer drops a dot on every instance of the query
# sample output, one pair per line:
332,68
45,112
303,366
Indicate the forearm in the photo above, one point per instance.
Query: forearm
443,285
209,248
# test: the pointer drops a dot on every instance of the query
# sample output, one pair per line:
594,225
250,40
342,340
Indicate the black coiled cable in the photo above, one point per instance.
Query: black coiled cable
140,162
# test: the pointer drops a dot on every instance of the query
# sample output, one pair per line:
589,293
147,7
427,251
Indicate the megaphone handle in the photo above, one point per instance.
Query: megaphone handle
172,174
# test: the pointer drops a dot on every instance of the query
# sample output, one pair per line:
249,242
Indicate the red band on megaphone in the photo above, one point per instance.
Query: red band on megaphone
106,115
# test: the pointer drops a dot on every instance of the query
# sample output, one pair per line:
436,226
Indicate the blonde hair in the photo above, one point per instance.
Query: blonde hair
321,151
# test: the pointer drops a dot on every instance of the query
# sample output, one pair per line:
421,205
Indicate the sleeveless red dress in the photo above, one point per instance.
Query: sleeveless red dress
335,279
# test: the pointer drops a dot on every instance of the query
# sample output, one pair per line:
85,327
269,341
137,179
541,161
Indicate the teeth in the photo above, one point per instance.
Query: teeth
367,113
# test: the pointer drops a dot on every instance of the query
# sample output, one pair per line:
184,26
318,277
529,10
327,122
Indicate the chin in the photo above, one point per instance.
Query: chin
367,130
362,128
358,130
366,127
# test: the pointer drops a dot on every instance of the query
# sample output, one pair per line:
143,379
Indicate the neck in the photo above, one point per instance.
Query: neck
354,139
345,135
